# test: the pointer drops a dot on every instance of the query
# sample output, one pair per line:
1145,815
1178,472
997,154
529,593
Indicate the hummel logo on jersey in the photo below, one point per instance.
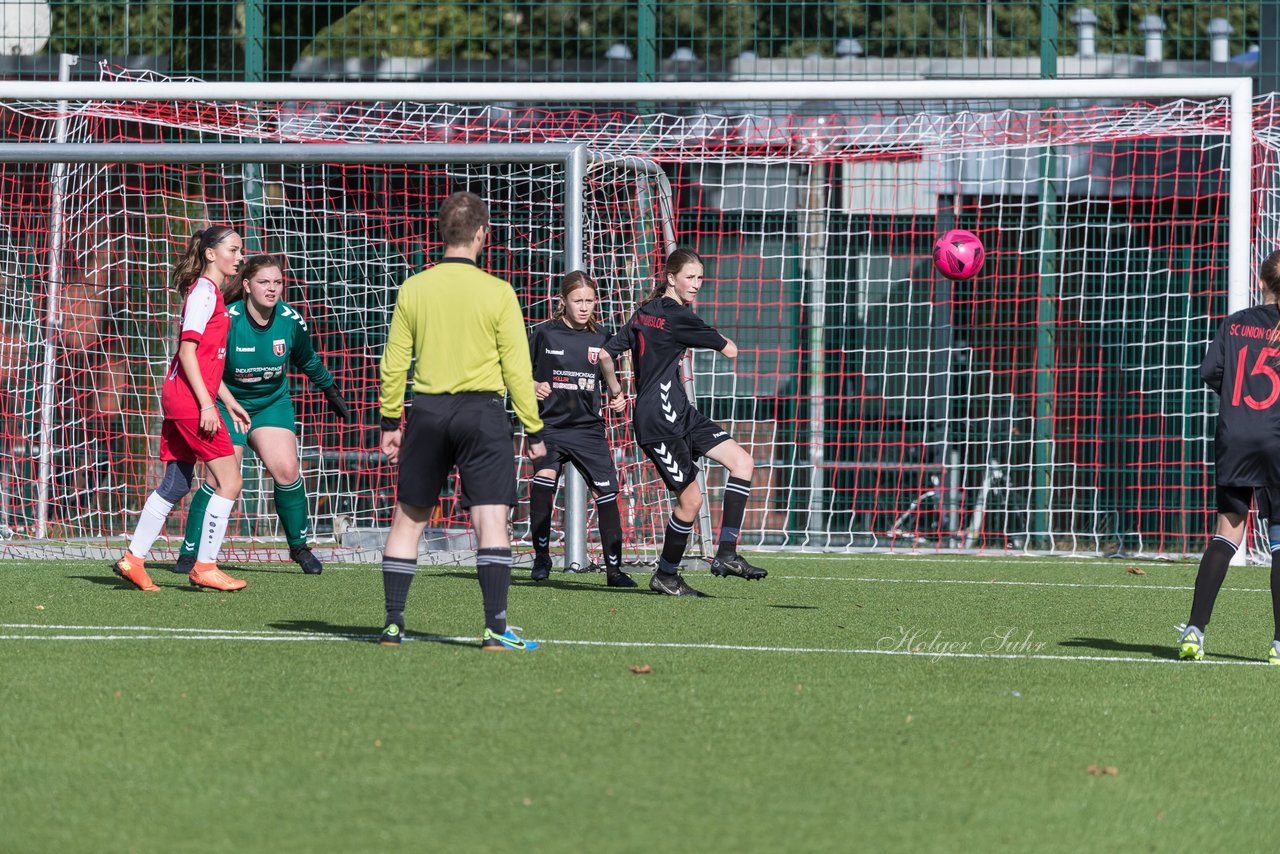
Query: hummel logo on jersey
668,412
719,433
551,352
669,461
601,483
246,349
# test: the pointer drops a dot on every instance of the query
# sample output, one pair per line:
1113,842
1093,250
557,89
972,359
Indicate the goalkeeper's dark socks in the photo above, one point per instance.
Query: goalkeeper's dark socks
291,508
397,576
195,520
1213,571
676,539
493,569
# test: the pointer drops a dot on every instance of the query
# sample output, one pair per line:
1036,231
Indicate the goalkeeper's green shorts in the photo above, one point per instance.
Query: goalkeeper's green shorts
278,414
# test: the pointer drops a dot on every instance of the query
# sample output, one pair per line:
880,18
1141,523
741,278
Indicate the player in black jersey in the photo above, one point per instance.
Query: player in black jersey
671,432
1243,366
568,379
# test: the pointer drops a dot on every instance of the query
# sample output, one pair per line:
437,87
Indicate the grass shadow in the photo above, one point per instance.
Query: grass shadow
1154,650
164,582
321,627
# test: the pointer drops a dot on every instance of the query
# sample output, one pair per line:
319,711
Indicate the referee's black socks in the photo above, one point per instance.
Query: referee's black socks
493,568
397,575
1213,571
736,493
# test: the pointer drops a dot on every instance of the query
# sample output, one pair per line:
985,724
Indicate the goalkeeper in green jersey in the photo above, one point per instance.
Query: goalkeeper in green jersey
266,337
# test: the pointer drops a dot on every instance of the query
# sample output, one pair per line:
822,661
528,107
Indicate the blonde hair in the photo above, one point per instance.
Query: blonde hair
569,284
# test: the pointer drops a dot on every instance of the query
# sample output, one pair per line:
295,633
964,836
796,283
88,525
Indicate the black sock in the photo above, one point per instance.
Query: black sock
542,496
736,493
677,540
1213,571
610,522
493,568
397,575
1275,590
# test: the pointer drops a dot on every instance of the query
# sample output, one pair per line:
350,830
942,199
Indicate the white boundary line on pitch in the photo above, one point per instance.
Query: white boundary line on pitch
1006,583
171,633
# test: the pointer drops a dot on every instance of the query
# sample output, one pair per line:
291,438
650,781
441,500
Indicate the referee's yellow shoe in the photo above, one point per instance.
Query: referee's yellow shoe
1191,644
1273,654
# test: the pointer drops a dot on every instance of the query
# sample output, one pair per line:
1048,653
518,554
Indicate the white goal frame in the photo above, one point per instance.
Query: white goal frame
1237,90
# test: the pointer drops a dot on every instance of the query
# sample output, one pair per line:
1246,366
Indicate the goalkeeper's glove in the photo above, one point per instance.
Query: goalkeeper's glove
337,404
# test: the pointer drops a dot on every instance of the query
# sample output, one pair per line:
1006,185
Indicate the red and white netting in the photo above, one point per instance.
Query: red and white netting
1051,403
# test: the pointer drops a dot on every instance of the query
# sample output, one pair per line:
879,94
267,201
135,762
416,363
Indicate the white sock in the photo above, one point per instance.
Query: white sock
150,522
215,528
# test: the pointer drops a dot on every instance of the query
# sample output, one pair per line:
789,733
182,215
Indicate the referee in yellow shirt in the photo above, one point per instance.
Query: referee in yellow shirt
464,332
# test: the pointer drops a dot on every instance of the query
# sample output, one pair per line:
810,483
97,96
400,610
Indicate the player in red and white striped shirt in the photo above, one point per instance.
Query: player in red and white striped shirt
192,430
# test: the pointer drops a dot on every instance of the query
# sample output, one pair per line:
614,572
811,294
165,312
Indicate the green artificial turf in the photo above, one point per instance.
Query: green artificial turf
844,703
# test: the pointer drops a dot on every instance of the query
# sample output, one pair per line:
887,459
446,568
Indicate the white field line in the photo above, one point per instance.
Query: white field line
996,583
115,633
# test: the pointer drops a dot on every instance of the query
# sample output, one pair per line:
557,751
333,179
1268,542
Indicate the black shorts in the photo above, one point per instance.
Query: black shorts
674,458
470,430
1235,499
587,448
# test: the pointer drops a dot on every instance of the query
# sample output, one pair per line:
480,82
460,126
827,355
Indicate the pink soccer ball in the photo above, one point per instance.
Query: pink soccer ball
958,254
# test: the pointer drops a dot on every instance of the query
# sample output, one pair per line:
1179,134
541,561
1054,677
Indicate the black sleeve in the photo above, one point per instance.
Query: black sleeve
619,343
535,339
1215,360
689,330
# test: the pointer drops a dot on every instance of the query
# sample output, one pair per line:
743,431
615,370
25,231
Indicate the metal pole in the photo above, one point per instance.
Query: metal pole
575,497
669,92
647,40
1047,309
53,318
1240,189
815,266
255,24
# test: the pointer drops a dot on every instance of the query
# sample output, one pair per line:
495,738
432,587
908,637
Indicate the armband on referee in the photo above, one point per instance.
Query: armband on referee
390,425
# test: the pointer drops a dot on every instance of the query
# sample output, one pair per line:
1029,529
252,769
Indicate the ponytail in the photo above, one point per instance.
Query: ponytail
192,263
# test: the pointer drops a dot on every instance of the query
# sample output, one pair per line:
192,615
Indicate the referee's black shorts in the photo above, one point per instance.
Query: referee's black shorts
1235,499
587,448
469,430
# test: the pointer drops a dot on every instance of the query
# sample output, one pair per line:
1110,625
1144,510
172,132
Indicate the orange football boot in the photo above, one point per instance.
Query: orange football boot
133,570
208,575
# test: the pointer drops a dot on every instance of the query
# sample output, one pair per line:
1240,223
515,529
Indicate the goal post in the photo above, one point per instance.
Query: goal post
868,402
